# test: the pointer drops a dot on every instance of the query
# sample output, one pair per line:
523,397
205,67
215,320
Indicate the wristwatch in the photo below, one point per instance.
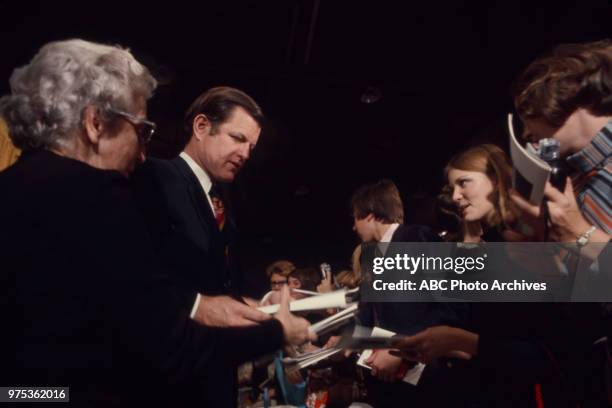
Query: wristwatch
585,237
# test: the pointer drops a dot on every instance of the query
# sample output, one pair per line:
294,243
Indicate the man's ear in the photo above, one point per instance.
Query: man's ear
201,126
92,123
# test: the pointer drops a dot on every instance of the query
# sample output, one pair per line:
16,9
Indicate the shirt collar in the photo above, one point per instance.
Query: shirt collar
200,174
389,233
595,153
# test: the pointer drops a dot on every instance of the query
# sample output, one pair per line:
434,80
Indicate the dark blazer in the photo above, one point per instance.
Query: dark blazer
83,300
410,318
183,228
189,243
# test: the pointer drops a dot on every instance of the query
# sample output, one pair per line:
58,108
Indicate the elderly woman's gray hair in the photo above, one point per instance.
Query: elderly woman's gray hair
48,96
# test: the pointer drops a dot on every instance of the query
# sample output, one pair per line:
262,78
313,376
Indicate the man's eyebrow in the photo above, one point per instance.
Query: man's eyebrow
239,135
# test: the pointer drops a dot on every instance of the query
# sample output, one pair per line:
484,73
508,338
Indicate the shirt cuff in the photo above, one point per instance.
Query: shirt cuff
194,309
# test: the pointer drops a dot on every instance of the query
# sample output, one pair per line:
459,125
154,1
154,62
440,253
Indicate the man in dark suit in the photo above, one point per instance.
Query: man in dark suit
378,218
185,210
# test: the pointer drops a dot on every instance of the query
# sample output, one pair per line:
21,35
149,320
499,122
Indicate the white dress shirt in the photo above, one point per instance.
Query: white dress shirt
202,177
386,238
389,233
206,184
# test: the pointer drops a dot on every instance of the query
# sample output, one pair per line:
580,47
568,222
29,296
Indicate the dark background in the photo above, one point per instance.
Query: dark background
444,71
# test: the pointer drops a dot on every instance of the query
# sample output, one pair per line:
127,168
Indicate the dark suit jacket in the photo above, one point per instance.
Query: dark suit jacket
410,318
183,228
83,300
189,244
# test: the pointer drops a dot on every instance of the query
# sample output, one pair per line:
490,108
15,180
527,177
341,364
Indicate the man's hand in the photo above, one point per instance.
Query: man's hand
250,301
567,222
223,311
530,215
326,284
438,341
332,342
273,298
565,216
296,329
385,366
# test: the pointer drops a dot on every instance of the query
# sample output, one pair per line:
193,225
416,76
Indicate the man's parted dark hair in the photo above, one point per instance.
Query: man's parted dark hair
382,199
218,103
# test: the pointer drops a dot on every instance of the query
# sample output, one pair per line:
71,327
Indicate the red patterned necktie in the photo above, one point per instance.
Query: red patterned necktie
218,207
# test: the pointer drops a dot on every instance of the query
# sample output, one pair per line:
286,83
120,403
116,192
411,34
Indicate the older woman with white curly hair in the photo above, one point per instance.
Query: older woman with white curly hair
82,100
83,301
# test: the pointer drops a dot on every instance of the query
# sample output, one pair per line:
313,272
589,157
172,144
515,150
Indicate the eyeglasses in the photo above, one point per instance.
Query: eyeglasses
278,283
144,128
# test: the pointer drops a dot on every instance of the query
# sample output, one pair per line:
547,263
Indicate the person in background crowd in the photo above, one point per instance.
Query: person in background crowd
348,279
306,279
478,180
8,152
256,372
278,274
566,95
511,335
379,215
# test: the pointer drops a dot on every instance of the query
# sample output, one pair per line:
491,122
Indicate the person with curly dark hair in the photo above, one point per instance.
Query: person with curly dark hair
567,95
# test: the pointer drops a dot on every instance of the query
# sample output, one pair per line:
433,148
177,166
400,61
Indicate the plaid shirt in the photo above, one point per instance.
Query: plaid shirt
593,180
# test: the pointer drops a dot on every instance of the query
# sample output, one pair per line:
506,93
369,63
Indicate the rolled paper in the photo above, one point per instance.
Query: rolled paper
325,301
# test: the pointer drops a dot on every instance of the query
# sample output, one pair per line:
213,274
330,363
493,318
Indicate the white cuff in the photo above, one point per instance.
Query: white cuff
194,309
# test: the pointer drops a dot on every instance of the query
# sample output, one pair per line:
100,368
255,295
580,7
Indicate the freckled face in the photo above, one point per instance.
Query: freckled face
471,190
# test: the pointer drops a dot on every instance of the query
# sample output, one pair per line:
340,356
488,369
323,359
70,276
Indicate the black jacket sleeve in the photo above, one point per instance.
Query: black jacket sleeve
144,309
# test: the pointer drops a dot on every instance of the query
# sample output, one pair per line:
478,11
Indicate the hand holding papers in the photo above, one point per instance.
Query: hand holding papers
295,329
354,338
331,323
224,311
438,341
384,339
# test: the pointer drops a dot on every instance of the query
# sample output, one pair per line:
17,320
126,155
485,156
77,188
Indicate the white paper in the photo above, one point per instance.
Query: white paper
533,169
330,300
334,319
414,374
308,359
